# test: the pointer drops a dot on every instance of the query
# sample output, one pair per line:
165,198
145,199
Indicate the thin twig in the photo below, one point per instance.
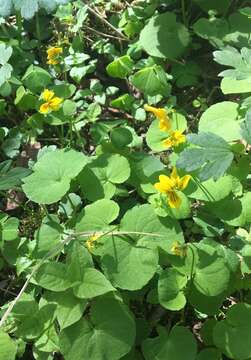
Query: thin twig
112,233
103,34
96,13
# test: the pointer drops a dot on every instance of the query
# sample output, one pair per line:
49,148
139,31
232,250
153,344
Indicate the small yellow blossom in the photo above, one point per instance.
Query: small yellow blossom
90,242
176,138
161,114
169,185
53,55
52,102
178,249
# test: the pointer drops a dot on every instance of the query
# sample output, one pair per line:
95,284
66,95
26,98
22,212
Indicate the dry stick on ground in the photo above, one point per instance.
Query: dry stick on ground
103,34
56,251
96,13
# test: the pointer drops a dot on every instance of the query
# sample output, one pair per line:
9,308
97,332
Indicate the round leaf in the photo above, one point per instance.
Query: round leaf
164,37
54,172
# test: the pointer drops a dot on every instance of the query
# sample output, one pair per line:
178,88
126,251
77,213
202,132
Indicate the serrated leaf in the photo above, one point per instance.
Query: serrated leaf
213,156
239,61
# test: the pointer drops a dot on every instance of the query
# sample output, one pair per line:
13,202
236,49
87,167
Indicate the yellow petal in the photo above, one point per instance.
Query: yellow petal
173,199
47,95
44,108
164,124
165,184
183,182
174,176
54,51
55,103
90,242
167,143
175,138
52,62
161,114
178,137
178,249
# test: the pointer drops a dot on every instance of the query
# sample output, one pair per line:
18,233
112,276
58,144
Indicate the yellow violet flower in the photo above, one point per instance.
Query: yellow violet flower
176,138
161,114
178,249
169,185
90,242
52,102
53,54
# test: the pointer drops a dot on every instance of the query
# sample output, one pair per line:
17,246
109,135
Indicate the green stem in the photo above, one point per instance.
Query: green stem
183,9
38,30
19,25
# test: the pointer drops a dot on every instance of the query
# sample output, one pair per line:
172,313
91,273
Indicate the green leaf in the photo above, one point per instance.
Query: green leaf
170,286
5,73
233,335
126,255
240,61
69,308
121,137
48,236
8,348
10,229
109,335
123,102
212,157
93,112
168,346
53,171
246,127
5,53
210,190
155,137
235,212
52,276
28,8
5,7
209,354
230,86
164,37
36,79
246,11
221,119
151,80
186,74
5,68
98,179
120,67
205,304
92,284
97,216
213,29
211,274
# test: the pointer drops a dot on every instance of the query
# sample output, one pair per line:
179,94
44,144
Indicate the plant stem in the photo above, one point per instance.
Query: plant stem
183,12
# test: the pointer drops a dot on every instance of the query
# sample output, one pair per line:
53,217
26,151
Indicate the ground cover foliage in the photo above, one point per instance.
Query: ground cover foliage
125,136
